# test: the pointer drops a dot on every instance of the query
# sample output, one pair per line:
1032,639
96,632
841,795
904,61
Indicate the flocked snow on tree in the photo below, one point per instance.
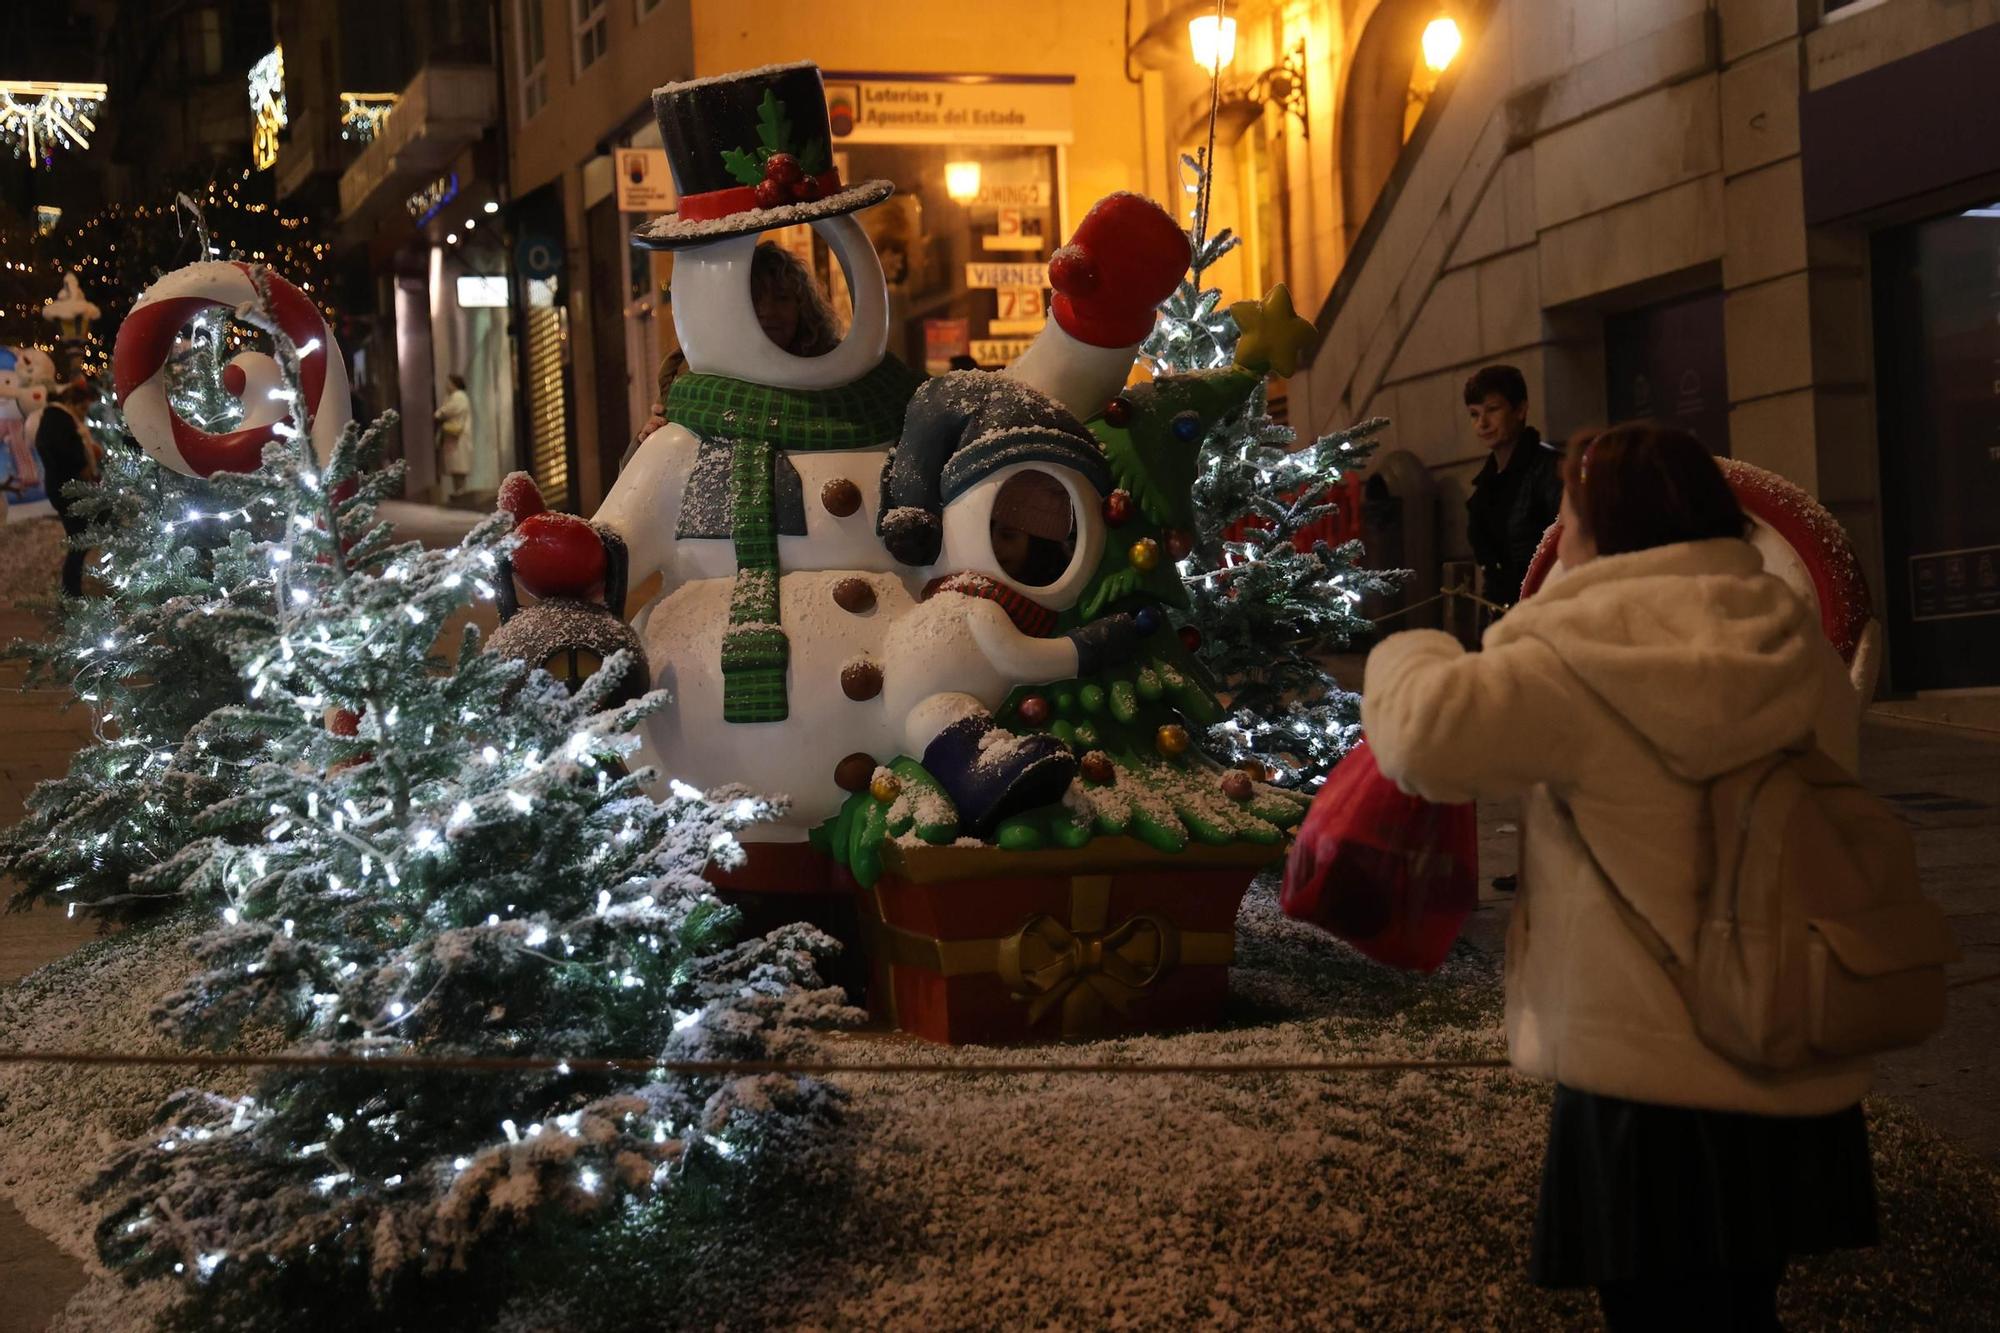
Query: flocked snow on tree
436,857
1268,613
149,658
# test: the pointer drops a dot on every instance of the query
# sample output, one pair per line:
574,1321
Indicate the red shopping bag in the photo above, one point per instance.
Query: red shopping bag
1392,874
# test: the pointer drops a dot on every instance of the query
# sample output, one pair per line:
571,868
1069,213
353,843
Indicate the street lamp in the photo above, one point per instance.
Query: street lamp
961,181
1214,41
1441,42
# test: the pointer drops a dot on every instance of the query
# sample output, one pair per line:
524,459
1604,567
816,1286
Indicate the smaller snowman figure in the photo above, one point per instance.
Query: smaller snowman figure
997,488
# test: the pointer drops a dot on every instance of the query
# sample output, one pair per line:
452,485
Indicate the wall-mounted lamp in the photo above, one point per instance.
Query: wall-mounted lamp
1283,85
961,181
1213,40
1441,41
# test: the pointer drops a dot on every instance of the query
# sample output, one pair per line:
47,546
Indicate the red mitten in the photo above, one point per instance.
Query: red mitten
560,555
1126,257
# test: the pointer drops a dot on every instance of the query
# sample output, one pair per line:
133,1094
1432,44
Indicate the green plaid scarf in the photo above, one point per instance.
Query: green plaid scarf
758,420
854,416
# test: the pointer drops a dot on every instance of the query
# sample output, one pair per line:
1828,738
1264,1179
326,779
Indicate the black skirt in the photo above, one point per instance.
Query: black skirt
1632,1190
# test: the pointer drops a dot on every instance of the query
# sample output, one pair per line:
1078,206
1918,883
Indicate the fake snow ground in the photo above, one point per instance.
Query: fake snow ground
949,1202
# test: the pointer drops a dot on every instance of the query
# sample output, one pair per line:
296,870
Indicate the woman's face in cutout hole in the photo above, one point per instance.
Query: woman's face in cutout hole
1033,529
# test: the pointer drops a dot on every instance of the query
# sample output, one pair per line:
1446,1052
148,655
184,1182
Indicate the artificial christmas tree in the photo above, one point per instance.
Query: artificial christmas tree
1265,613
433,856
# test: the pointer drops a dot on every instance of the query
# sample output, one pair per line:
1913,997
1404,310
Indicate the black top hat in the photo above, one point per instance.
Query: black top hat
750,151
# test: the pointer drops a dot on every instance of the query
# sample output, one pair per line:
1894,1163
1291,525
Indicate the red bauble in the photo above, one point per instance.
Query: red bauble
560,555
783,168
1118,413
771,194
234,380
1035,710
1190,637
1118,508
1179,543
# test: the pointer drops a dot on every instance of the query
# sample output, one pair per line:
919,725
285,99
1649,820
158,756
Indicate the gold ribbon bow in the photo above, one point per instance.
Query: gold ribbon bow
1048,964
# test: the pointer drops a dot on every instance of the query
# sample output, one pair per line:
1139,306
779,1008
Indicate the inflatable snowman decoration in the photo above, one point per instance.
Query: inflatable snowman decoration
838,588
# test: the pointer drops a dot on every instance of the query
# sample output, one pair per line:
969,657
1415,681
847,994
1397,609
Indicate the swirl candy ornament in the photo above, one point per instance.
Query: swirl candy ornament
146,338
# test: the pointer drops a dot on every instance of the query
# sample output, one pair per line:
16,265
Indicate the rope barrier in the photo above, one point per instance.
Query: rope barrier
500,1064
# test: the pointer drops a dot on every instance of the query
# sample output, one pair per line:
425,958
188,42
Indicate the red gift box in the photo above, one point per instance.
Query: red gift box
980,945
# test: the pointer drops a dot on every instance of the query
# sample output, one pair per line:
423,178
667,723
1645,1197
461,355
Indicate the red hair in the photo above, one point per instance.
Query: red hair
1640,485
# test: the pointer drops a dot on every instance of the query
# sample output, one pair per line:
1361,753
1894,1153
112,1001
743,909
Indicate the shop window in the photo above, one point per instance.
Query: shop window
534,58
203,34
593,31
546,350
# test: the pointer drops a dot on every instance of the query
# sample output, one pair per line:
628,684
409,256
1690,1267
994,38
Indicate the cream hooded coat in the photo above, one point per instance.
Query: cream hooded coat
1621,688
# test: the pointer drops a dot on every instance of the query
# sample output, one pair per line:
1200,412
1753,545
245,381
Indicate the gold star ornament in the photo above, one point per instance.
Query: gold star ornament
1274,335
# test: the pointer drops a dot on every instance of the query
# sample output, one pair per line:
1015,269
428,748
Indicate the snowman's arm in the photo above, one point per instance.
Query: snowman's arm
644,505
1019,657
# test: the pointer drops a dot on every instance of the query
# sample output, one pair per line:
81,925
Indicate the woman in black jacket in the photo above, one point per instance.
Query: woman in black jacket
69,453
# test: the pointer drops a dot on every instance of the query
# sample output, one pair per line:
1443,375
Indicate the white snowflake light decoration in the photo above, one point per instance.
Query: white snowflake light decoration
267,107
36,117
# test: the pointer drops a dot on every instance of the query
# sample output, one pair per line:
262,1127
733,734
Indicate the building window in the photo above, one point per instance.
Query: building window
534,58
593,31
641,8
202,31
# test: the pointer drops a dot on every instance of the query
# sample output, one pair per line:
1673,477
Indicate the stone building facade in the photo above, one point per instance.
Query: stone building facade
1702,210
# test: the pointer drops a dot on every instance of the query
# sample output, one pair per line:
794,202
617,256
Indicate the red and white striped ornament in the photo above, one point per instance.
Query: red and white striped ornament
147,336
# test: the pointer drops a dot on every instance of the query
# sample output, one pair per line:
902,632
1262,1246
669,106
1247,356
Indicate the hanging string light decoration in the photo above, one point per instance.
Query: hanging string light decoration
37,118
119,250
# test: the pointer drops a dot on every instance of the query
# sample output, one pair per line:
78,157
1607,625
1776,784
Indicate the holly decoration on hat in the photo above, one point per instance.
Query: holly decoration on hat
776,173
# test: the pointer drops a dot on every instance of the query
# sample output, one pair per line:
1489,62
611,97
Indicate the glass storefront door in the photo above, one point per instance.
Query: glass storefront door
1937,353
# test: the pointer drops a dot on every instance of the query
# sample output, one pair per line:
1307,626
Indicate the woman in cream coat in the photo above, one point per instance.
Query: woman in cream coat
1676,1182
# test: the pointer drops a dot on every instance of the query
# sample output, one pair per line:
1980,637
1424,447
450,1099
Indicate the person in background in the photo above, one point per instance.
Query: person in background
454,436
791,309
1518,490
1676,1182
69,453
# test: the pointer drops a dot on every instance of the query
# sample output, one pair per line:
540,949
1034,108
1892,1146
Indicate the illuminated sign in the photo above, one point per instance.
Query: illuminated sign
267,108
479,291
949,108
425,203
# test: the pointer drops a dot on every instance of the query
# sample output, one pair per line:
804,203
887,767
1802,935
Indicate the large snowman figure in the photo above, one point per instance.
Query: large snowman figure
834,589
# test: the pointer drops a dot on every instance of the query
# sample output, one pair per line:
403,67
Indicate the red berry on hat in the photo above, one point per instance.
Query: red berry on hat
783,168
770,193
808,189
